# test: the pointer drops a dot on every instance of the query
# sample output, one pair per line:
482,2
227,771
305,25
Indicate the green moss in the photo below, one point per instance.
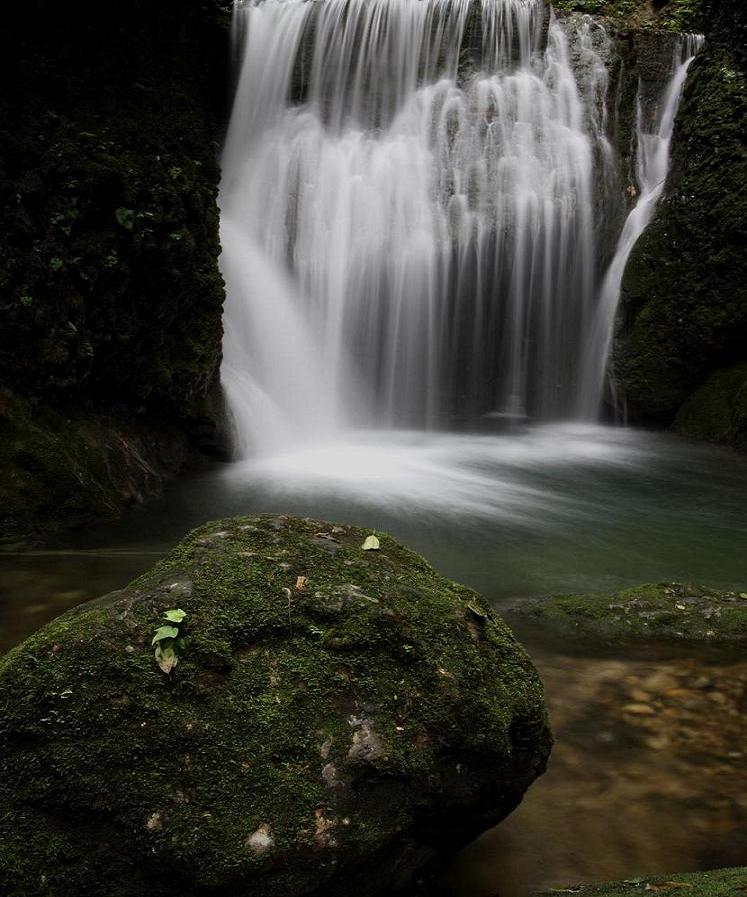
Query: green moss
672,15
651,612
716,883
717,411
60,468
683,308
334,709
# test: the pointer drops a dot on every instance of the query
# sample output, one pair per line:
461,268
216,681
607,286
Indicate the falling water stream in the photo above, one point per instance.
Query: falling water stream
654,135
408,214
413,205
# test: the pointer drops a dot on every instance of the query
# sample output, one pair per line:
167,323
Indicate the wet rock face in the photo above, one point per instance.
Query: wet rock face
110,293
335,720
60,468
683,312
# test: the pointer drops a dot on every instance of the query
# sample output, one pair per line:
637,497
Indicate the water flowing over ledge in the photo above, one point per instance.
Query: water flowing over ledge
413,203
653,138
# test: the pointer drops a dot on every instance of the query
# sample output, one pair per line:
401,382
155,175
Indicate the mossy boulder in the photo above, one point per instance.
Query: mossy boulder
338,717
715,883
666,611
717,412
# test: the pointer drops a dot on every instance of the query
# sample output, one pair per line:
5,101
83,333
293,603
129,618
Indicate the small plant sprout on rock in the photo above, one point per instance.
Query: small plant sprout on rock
165,638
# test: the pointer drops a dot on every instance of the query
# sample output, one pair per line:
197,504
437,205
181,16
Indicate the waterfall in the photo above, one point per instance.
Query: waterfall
411,202
653,137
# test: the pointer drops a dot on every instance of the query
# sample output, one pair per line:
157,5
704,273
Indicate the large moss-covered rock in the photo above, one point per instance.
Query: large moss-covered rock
336,719
666,611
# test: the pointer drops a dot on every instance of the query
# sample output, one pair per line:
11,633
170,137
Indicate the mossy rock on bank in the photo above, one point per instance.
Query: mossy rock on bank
666,611
717,412
66,467
338,717
716,883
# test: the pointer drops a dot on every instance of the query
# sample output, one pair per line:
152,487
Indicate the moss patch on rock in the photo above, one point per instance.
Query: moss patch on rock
337,718
671,15
67,467
717,412
666,611
716,883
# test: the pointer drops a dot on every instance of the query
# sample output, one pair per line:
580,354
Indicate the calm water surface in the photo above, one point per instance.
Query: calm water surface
545,510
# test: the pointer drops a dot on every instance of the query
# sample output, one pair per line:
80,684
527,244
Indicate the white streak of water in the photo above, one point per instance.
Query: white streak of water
418,227
653,139
412,199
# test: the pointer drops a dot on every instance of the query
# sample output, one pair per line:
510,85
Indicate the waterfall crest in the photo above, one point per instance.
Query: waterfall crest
411,214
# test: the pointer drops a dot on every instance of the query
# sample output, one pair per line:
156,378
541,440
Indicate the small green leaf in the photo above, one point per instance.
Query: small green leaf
476,612
371,544
164,632
125,218
166,656
175,616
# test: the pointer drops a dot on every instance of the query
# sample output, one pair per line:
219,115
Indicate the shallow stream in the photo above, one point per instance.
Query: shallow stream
552,509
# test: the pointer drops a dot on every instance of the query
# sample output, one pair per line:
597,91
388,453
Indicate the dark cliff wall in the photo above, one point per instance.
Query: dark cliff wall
110,292
109,280
683,313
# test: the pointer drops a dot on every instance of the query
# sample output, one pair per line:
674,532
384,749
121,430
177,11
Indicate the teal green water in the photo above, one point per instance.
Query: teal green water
545,510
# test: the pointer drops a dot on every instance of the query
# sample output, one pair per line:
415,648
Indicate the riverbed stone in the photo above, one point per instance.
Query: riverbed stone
334,722
665,611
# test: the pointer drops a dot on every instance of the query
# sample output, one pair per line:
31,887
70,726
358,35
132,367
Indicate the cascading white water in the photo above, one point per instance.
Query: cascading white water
410,203
653,137
413,237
